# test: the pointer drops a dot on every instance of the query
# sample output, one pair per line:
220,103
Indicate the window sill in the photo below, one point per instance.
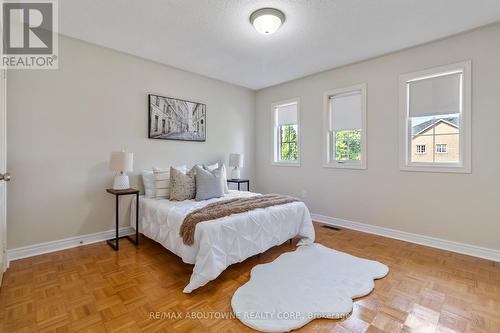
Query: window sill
442,169
286,164
359,166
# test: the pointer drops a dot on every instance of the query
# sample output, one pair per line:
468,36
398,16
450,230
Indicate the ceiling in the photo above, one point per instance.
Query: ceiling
215,38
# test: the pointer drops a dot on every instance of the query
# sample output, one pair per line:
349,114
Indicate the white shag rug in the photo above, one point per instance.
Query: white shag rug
312,282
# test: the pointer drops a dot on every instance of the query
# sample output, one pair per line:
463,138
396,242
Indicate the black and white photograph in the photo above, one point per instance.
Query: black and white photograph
176,119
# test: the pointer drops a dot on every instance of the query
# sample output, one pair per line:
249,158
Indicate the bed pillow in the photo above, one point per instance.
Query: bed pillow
182,185
148,180
211,167
224,175
162,180
209,184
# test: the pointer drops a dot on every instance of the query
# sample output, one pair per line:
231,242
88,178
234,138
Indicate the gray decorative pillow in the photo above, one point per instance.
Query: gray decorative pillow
182,186
223,173
209,184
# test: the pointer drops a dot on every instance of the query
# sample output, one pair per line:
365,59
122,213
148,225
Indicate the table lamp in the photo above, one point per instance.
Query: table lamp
121,162
235,161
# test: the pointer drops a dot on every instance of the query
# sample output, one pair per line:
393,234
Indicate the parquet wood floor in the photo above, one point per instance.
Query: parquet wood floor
95,289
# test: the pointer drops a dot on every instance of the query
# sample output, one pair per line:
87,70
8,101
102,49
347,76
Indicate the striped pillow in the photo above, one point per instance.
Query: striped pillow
162,180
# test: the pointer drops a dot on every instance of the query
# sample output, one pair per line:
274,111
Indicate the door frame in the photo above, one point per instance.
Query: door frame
4,262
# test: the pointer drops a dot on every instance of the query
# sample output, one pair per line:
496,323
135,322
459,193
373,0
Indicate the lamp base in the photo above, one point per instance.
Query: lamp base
121,182
235,174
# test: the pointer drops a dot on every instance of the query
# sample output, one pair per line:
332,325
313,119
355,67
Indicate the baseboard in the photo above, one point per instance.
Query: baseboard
34,250
471,250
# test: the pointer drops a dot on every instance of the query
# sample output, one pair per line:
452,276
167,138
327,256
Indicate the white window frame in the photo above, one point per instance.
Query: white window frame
445,151
423,151
328,162
275,135
464,165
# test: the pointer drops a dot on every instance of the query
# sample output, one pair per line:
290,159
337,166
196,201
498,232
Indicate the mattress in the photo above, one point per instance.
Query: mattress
225,241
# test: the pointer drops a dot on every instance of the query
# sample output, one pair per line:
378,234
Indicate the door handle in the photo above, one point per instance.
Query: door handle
5,176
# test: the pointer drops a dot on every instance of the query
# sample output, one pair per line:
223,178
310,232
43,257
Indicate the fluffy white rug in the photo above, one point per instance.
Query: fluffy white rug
312,282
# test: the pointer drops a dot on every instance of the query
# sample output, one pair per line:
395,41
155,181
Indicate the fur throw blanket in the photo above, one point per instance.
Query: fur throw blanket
225,208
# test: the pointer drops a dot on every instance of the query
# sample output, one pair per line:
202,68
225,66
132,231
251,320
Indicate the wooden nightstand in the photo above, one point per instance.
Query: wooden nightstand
240,181
117,193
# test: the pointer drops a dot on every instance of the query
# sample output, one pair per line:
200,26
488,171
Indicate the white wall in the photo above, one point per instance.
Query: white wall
457,207
62,124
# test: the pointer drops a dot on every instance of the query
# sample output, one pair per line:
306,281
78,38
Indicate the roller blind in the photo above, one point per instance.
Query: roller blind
286,114
346,111
435,96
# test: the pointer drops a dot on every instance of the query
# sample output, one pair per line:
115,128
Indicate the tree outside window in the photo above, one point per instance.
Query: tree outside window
348,145
288,143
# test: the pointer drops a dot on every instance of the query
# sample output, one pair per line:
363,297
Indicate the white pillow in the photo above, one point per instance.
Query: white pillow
212,167
148,180
162,180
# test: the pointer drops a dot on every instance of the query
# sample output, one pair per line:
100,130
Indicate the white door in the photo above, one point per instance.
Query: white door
4,176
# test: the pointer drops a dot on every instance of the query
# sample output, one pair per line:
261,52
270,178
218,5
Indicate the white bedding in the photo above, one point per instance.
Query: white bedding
225,241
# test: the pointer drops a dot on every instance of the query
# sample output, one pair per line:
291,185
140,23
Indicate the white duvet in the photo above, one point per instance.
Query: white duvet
225,241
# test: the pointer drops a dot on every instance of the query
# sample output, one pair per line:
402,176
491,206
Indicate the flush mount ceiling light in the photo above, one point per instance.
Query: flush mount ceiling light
267,20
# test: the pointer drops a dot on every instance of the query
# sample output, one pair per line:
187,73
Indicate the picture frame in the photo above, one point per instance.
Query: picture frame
176,119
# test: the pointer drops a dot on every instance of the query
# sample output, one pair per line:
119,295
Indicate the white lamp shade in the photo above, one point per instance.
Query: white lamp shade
267,20
267,24
236,160
121,161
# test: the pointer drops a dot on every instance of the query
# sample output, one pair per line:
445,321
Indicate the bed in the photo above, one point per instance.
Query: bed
224,241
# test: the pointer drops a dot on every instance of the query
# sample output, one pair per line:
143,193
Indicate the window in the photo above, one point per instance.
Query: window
435,112
345,127
420,149
286,134
288,142
441,148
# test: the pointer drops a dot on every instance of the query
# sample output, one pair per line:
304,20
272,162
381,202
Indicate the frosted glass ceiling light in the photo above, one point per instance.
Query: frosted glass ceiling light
267,20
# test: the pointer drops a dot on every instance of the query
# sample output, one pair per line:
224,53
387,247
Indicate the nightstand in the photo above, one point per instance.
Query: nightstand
239,182
118,193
